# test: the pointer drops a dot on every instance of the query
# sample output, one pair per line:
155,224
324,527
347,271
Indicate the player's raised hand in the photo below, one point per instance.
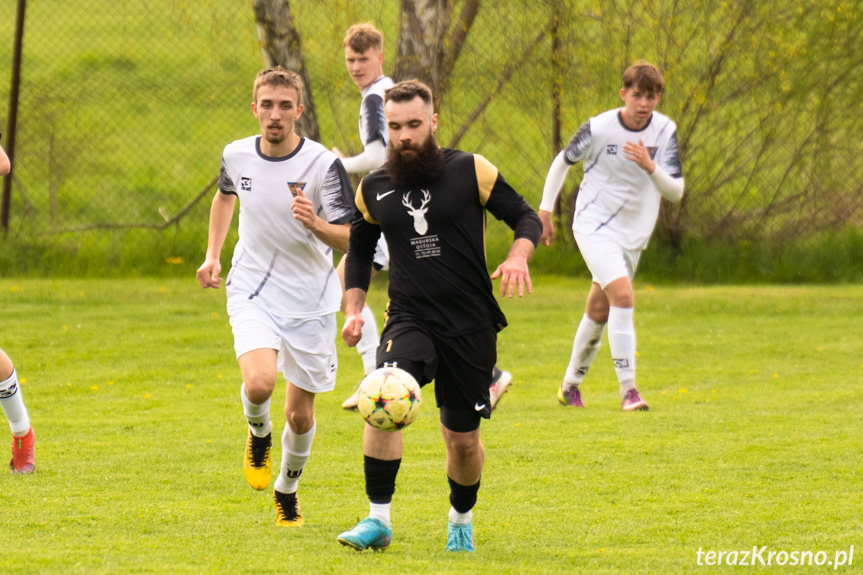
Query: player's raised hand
639,154
208,274
304,211
547,237
352,330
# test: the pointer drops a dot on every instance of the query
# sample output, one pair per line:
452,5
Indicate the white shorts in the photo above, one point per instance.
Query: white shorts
381,260
306,346
606,259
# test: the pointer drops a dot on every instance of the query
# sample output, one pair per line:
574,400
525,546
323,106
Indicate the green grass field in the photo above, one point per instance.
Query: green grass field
753,439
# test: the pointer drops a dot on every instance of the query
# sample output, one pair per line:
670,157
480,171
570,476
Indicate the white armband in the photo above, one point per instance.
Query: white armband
669,188
553,182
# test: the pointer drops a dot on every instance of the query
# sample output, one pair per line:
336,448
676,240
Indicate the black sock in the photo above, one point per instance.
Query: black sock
462,497
381,478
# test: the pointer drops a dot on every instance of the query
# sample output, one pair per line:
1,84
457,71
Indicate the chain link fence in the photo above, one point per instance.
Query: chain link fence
124,106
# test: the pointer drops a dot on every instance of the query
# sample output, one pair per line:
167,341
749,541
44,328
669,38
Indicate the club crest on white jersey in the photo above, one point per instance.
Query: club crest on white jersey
296,187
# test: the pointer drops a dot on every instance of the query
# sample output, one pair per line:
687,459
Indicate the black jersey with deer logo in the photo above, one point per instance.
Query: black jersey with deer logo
436,236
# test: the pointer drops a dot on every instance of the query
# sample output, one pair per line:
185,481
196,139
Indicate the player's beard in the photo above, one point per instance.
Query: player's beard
422,168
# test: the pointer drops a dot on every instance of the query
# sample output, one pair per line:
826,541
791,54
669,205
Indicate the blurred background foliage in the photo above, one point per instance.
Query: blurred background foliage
125,106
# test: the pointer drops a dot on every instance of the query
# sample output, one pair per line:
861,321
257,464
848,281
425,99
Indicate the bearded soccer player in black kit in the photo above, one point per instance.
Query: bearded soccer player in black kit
442,318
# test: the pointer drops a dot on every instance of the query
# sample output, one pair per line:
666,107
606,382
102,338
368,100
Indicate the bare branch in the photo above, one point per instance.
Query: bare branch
502,81
147,225
454,43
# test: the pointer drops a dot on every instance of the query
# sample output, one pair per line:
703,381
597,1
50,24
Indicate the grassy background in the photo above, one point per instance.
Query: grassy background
125,109
753,438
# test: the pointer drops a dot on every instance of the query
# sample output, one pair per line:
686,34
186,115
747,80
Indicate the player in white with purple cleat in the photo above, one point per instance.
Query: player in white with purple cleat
631,161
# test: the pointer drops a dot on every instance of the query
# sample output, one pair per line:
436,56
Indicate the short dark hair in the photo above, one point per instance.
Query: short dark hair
279,76
644,76
361,37
408,90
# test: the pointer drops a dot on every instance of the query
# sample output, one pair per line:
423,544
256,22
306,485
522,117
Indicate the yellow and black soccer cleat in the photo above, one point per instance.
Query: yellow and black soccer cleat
256,463
288,512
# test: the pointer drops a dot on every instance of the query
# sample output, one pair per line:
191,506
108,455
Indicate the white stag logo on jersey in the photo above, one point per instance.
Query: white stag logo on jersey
418,214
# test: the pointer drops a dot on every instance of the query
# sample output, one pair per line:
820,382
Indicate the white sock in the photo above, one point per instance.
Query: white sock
588,339
369,341
257,414
13,406
380,511
459,518
295,453
621,341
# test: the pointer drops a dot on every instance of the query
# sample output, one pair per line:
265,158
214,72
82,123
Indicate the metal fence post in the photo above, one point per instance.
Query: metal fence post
12,121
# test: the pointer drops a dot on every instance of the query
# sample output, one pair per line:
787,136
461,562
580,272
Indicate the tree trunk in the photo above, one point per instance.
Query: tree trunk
427,48
280,45
422,24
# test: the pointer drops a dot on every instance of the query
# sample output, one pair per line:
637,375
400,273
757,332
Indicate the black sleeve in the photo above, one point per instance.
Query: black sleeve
505,204
671,161
579,143
361,251
373,119
226,184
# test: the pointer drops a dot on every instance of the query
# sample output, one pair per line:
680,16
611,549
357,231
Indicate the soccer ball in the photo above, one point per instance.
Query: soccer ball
389,399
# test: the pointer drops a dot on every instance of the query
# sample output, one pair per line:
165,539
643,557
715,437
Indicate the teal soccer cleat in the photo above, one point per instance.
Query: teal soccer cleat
459,537
368,534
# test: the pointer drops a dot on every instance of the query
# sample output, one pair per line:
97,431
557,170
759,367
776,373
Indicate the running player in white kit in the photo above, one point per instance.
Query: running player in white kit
631,161
296,203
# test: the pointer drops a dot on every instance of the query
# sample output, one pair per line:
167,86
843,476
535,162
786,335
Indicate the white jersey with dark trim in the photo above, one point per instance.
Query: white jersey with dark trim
617,197
276,259
372,124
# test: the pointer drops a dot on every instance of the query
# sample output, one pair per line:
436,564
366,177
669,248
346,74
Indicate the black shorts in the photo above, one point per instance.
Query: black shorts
461,366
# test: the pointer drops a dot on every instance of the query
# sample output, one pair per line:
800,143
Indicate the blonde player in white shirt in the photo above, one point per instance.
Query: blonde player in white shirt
364,59
296,203
631,161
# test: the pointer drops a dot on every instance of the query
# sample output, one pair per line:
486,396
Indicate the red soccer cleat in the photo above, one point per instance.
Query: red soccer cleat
23,454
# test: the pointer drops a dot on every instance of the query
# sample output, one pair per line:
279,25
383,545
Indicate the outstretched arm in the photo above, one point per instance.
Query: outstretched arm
514,270
355,299
221,213
358,269
507,205
553,183
372,157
